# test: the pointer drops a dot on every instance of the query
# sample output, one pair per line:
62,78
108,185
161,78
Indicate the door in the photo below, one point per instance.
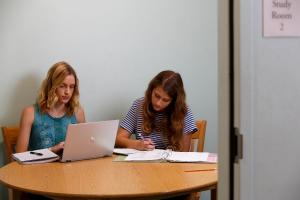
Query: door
267,110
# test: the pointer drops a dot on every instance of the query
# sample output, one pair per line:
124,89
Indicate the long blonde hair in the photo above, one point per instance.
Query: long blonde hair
47,97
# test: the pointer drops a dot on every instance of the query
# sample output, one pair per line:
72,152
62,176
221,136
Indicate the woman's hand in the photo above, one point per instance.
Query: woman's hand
57,148
124,141
145,145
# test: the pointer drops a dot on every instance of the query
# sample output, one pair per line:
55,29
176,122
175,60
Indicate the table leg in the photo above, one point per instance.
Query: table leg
213,194
14,194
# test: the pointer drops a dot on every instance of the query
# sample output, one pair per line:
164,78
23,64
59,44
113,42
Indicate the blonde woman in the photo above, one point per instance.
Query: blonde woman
44,124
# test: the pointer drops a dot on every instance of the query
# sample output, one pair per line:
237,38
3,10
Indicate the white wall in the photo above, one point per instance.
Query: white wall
115,46
270,96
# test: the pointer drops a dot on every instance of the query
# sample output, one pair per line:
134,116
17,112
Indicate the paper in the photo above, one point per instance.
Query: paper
36,156
125,151
281,18
153,155
172,156
192,157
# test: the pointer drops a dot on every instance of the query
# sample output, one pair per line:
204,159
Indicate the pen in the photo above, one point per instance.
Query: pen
201,170
141,136
36,153
150,143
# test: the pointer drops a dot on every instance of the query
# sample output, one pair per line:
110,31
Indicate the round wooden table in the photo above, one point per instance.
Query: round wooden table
104,178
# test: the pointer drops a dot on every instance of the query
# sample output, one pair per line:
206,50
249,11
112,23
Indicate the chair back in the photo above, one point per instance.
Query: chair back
10,136
199,136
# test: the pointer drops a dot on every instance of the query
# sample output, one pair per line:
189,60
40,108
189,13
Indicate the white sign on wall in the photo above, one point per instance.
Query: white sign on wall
281,18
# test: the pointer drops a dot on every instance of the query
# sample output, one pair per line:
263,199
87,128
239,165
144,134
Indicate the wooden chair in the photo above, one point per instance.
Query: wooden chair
10,136
199,136
198,141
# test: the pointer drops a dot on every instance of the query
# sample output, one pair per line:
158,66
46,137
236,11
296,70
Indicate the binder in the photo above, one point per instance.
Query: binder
159,155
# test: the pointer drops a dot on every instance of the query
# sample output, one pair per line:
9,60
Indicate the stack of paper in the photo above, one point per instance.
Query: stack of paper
36,156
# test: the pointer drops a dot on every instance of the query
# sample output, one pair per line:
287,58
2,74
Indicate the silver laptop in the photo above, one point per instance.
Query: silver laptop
90,140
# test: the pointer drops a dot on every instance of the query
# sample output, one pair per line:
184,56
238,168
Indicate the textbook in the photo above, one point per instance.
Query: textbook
36,156
158,155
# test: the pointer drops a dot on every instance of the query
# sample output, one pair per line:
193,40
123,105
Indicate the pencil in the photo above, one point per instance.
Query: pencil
201,170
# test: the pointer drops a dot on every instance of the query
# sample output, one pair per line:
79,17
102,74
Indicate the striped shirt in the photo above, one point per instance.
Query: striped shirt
133,123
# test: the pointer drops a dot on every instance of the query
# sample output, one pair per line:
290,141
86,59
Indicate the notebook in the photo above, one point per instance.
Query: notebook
36,156
90,140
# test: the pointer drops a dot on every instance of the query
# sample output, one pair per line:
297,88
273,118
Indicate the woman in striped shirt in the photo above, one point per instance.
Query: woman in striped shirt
161,119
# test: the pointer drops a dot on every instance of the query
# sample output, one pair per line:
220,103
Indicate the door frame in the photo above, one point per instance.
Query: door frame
226,99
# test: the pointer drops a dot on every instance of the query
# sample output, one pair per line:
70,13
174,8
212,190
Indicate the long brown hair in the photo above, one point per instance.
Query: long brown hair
47,97
172,126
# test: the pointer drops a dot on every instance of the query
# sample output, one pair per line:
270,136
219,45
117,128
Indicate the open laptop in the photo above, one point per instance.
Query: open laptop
90,140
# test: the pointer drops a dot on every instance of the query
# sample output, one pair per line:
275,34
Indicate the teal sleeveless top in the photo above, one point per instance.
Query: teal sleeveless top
47,131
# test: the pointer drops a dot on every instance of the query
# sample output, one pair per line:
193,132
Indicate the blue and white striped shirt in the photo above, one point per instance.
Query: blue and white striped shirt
133,123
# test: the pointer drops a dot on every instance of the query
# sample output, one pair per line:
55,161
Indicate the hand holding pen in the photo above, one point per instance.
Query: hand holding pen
146,144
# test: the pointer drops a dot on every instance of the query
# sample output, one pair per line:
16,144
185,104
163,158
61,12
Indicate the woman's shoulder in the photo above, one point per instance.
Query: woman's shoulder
189,114
139,101
28,113
188,108
28,109
79,114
